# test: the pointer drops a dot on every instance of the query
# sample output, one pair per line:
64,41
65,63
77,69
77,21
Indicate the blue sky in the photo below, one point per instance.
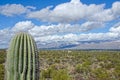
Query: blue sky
66,22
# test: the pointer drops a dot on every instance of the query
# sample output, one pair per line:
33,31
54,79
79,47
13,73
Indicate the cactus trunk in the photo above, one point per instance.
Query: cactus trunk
22,59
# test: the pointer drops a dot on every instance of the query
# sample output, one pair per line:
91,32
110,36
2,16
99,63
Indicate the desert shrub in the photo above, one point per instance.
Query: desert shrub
61,74
117,71
83,68
46,73
2,57
101,74
1,72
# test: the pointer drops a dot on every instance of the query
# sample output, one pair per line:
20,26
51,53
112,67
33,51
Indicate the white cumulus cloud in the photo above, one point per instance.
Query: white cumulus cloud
115,28
23,26
64,28
75,10
14,9
59,33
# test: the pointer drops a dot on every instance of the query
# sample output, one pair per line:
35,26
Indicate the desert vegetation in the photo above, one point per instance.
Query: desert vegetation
75,65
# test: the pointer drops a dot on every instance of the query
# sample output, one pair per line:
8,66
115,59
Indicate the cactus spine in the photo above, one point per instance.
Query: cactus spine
22,59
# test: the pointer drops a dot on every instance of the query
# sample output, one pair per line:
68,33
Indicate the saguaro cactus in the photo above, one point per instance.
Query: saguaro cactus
22,59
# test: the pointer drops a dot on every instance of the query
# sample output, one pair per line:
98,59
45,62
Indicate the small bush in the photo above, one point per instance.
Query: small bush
61,74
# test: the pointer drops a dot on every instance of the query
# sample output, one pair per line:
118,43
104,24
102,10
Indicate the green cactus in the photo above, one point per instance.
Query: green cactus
22,59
